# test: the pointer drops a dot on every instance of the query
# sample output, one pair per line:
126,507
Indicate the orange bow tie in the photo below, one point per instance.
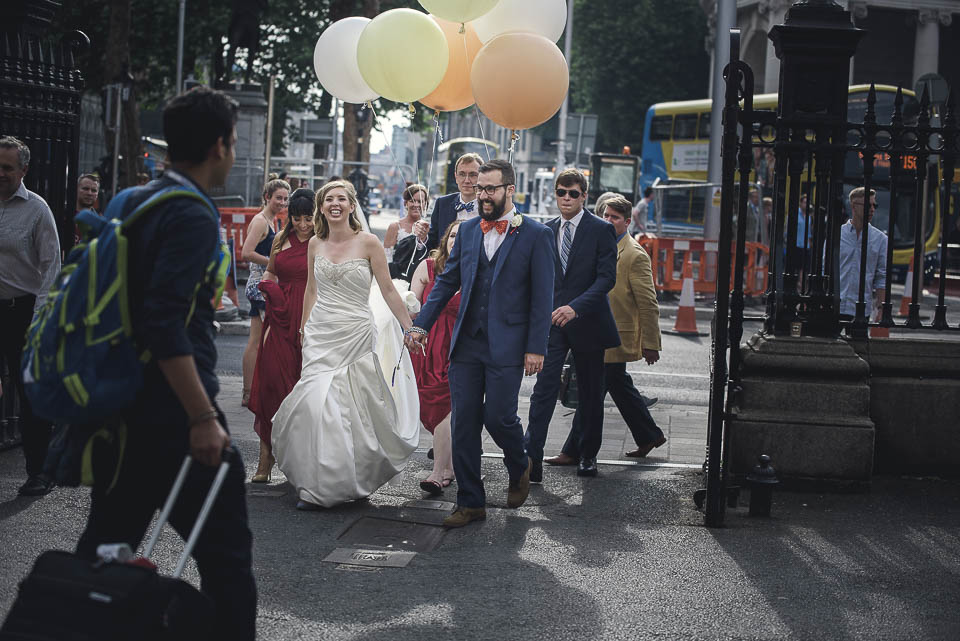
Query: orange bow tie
487,225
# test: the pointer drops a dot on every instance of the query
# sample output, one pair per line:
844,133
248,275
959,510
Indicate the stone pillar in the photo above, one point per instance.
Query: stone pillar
806,403
775,10
926,52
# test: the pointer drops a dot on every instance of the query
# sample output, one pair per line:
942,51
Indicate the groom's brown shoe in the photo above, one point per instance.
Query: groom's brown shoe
519,489
463,515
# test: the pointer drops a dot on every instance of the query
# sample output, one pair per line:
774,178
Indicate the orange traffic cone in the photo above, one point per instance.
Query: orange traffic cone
907,292
686,314
879,332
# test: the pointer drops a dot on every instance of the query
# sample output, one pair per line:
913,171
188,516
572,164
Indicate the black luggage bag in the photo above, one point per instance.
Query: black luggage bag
68,598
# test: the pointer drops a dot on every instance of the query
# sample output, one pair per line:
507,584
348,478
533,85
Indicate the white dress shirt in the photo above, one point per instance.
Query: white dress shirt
574,222
492,240
29,246
850,243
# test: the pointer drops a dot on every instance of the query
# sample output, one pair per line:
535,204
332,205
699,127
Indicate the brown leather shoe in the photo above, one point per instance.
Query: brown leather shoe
463,515
519,489
560,459
642,451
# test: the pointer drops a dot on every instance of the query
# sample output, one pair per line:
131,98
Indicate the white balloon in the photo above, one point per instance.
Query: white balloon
544,17
335,61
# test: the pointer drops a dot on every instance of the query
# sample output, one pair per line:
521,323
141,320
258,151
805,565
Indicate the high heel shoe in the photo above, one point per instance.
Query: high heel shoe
260,478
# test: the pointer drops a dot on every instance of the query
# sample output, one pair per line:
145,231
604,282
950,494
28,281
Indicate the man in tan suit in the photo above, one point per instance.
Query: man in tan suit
633,301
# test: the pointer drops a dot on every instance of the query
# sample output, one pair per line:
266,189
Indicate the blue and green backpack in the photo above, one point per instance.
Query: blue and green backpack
80,363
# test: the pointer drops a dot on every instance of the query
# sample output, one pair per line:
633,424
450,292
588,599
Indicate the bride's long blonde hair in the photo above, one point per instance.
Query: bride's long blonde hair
320,221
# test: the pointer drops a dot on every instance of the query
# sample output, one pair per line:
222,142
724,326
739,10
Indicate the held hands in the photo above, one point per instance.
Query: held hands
650,355
532,364
563,315
421,228
414,341
208,439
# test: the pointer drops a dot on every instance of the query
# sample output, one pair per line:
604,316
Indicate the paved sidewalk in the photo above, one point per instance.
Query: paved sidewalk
685,427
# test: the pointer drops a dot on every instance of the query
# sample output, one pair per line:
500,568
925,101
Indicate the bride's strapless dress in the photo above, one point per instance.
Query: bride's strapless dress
346,428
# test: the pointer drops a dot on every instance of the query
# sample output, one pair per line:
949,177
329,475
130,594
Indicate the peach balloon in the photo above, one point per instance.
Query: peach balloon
519,80
454,91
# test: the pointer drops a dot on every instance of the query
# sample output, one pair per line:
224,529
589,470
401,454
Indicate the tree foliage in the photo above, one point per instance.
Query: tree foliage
629,54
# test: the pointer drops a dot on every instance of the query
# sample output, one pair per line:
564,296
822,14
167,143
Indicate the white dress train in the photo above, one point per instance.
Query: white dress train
344,431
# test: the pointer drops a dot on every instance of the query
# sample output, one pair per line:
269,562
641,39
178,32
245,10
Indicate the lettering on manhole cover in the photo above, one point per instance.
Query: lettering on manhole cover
371,558
423,504
253,493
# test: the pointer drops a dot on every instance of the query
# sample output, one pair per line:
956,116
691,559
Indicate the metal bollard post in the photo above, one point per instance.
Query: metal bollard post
761,481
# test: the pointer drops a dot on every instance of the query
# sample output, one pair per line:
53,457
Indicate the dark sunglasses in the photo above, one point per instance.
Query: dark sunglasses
574,193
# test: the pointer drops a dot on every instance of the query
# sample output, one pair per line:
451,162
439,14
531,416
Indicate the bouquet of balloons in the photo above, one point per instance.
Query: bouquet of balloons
499,54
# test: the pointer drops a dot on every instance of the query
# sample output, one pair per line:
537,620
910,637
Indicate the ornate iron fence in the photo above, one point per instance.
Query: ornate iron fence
813,140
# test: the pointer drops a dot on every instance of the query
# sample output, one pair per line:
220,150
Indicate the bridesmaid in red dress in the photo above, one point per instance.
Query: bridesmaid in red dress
279,355
432,367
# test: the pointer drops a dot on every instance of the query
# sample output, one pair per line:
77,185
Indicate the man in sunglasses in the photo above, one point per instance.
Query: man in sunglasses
459,205
502,264
585,251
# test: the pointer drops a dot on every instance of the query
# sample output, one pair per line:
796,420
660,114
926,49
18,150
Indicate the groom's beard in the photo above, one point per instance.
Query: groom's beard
498,208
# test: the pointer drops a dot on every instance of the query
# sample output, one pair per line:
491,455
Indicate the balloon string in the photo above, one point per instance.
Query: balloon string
433,160
486,149
514,137
386,142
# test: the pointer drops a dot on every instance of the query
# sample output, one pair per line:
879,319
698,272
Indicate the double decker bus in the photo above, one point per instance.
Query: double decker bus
447,153
676,142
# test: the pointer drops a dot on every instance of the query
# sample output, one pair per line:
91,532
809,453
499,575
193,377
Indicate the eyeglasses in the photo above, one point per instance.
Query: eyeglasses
472,175
574,193
491,189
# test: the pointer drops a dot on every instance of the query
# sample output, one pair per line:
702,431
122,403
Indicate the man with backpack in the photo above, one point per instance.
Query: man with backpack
171,249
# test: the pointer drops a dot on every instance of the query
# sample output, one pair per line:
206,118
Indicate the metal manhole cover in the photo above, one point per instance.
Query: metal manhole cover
393,535
424,504
370,558
272,493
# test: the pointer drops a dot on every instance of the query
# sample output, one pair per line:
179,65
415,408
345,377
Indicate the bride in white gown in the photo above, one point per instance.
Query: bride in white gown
344,430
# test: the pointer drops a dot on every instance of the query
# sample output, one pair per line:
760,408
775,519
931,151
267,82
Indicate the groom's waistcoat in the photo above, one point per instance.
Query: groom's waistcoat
478,311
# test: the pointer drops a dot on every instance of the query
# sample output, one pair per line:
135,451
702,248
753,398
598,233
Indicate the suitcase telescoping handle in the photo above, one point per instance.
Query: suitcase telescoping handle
201,517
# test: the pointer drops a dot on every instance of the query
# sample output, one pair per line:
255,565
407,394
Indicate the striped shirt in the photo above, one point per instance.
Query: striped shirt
29,246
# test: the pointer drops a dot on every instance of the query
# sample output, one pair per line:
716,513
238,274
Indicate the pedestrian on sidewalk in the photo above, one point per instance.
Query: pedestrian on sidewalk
29,263
460,205
405,241
433,364
502,263
175,412
634,303
850,252
585,251
256,251
279,355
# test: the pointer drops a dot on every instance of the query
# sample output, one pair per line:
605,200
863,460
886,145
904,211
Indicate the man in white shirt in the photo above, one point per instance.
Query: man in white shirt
641,212
850,252
29,262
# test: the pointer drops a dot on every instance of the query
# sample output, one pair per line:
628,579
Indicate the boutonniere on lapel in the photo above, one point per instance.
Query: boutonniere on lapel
515,222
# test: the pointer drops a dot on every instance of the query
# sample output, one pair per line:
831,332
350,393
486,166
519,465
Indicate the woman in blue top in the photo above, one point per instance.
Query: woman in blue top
256,251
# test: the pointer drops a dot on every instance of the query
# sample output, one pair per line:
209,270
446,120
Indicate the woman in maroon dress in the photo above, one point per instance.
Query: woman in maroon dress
278,358
431,368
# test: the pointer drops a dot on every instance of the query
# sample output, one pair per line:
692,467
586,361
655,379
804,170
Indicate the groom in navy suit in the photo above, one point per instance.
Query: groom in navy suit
585,250
460,205
502,263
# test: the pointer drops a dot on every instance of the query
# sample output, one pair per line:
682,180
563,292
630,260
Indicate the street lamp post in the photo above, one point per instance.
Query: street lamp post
183,11
564,108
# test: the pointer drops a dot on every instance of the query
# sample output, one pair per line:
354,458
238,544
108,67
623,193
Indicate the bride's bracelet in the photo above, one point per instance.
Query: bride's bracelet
415,330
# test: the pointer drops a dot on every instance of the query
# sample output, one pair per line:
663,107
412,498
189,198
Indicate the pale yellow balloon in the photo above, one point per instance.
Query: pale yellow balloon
402,55
519,80
454,91
458,10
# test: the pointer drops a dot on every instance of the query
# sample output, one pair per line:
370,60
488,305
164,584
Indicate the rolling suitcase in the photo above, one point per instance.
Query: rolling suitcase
68,598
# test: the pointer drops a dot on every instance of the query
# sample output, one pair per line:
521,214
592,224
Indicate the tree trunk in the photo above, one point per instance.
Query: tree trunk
116,65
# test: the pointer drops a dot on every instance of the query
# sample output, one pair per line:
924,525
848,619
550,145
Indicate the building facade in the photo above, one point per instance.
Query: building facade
906,39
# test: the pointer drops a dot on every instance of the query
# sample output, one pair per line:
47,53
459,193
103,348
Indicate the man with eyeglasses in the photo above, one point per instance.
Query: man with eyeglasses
502,264
460,205
585,251
851,244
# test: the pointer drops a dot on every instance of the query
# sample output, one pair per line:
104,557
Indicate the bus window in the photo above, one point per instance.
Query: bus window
661,127
685,127
704,131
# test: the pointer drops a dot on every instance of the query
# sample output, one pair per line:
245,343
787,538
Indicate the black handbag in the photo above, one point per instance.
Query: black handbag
568,385
69,598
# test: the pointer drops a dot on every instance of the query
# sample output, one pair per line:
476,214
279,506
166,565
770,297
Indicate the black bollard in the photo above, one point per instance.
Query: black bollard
761,481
